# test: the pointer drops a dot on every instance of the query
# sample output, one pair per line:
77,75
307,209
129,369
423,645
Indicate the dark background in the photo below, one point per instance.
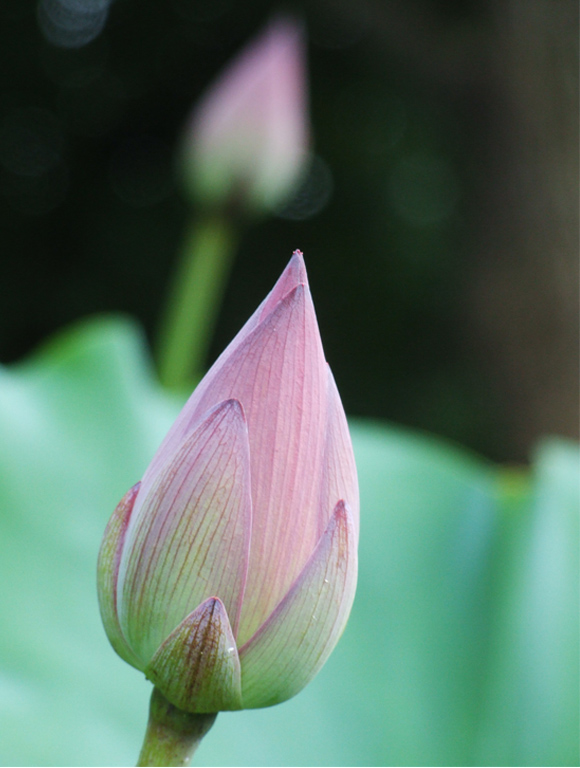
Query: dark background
439,224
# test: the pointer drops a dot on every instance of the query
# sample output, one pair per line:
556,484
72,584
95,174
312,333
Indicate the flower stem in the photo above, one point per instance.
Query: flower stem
172,735
194,300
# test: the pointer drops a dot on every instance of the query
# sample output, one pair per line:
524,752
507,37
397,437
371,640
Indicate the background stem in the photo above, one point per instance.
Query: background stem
172,735
194,300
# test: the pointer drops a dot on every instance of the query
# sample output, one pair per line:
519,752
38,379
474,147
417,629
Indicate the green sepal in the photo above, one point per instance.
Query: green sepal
108,574
197,667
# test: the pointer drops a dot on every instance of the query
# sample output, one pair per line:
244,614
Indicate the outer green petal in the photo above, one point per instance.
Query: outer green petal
108,571
197,668
189,539
295,641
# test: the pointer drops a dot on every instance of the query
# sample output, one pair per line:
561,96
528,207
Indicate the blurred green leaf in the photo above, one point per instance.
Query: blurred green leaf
462,646
531,711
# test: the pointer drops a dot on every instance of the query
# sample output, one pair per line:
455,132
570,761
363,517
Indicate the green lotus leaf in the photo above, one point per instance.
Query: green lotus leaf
462,643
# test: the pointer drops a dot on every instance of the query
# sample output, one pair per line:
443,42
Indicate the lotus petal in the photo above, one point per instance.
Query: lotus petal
279,374
295,641
192,412
291,277
339,477
192,535
108,571
197,667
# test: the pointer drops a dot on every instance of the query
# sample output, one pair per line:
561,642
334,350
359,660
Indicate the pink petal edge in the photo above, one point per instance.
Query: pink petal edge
291,646
108,574
339,475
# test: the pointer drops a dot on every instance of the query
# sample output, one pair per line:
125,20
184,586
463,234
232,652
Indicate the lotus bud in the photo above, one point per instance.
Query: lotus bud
228,573
247,141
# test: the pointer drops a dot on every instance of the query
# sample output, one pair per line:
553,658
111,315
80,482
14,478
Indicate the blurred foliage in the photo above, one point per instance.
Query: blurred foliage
462,647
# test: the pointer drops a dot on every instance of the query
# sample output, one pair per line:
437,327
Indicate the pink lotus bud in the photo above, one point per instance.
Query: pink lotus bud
227,575
248,139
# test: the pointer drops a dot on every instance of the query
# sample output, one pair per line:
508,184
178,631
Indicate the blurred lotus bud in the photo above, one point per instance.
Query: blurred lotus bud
247,144
227,575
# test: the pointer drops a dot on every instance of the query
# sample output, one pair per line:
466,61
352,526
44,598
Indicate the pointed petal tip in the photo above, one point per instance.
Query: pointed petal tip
212,605
233,407
231,411
285,22
293,275
127,503
298,267
197,667
297,293
343,519
285,34
342,511
299,300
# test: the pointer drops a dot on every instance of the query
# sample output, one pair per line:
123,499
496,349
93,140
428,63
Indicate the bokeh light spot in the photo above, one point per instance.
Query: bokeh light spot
72,23
313,195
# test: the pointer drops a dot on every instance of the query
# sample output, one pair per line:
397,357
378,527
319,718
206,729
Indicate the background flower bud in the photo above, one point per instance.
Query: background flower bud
227,575
247,142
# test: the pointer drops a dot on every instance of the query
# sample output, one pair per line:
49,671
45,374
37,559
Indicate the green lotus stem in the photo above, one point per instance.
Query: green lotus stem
194,300
172,735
